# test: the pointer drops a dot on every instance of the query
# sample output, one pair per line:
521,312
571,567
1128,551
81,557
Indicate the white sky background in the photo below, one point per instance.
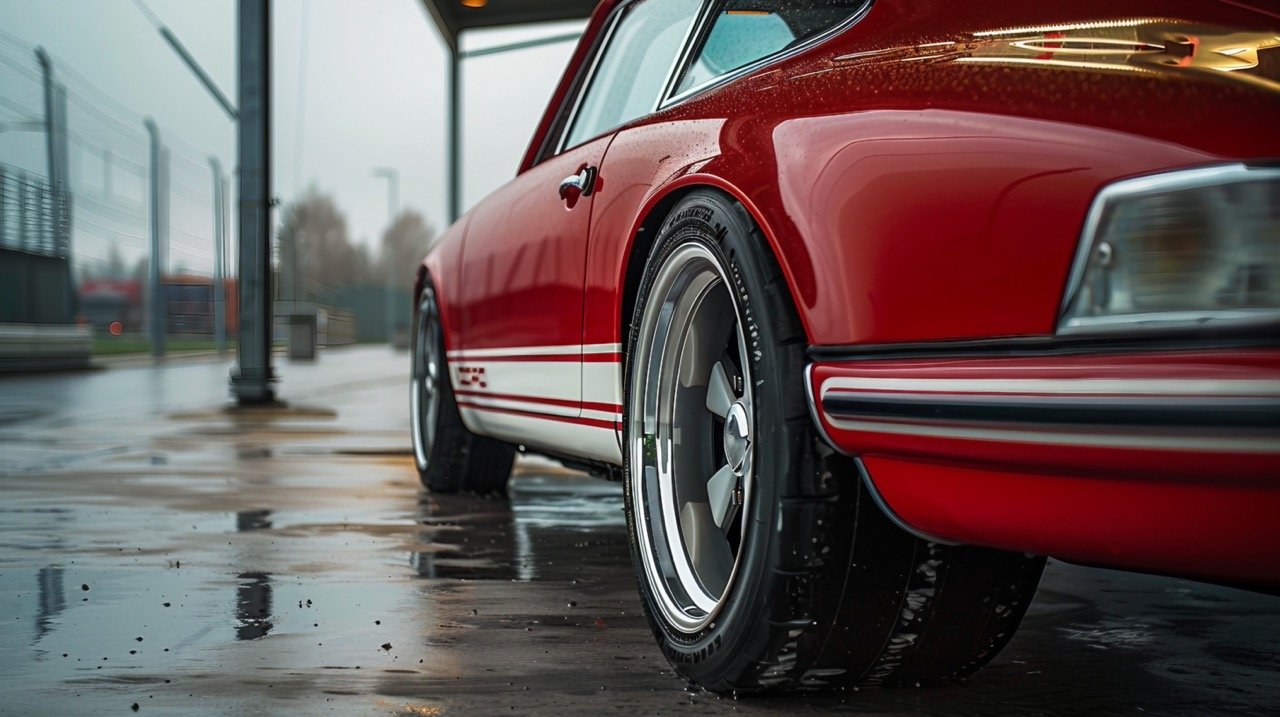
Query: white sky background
374,96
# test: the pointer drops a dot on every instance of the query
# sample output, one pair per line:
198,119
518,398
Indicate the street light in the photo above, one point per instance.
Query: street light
392,176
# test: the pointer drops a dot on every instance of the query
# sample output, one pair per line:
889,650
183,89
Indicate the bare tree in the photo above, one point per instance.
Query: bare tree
315,254
404,244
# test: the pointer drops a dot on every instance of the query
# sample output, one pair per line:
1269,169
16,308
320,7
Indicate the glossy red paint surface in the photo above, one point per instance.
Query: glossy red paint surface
919,177
521,273
913,201
1223,533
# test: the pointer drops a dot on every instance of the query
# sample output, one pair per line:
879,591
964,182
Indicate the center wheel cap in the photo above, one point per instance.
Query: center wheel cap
737,437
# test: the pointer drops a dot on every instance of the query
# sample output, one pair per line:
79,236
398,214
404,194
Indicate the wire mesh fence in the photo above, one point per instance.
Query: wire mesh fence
34,217
77,184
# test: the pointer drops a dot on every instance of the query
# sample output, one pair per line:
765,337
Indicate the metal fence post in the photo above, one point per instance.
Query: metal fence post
155,312
22,213
219,237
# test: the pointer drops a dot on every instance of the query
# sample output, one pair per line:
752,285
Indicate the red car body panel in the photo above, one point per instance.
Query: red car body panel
921,181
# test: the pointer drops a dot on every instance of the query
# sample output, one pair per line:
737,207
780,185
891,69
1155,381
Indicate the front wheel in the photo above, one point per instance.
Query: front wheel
761,558
449,457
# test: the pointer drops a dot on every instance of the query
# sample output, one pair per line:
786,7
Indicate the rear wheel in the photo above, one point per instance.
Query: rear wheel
762,560
449,457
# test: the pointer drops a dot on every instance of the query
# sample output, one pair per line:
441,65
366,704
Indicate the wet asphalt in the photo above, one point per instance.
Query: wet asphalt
161,554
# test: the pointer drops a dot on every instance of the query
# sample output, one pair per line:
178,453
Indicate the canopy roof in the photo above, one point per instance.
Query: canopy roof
454,16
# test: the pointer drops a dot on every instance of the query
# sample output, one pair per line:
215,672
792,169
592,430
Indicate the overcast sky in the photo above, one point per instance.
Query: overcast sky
365,89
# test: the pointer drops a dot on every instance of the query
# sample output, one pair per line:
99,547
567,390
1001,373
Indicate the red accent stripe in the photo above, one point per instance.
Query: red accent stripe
588,405
593,422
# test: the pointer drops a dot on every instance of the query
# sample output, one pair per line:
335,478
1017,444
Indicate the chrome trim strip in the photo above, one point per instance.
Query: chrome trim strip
813,409
1167,181
682,57
893,517
1147,412
1107,387
768,59
1051,346
1171,320
614,20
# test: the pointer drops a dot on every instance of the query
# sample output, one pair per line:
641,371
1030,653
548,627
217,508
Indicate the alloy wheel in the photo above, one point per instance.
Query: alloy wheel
691,424
425,391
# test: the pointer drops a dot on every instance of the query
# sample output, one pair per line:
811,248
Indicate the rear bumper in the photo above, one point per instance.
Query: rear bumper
1160,461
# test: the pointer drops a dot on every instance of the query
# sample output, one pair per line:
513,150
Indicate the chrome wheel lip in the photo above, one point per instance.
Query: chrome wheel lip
424,395
664,554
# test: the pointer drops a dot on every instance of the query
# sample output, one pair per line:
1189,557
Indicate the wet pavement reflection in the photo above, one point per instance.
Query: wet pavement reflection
199,561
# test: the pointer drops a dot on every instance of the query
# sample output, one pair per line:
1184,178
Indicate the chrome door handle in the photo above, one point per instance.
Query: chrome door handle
578,185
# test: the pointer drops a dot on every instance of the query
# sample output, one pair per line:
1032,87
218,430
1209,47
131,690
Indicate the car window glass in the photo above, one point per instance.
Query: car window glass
630,75
744,31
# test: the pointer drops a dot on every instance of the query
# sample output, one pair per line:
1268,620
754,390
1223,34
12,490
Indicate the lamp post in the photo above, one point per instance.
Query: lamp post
392,176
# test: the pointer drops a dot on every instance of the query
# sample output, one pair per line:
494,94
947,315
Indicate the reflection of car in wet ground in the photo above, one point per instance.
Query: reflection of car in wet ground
871,304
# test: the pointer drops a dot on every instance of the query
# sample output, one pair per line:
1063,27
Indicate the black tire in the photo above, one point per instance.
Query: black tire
826,590
449,457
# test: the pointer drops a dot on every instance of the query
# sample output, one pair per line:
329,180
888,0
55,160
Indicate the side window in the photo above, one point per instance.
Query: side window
744,31
630,74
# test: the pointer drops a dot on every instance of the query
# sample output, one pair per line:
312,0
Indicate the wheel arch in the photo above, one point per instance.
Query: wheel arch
654,212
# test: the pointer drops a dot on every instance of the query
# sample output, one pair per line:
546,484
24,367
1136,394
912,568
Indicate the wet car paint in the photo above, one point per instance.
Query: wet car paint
292,546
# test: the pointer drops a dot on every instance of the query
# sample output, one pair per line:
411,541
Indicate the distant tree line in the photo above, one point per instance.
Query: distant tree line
316,259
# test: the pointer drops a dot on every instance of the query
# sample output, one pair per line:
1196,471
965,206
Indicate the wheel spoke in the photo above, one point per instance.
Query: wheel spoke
719,391
709,552
720,489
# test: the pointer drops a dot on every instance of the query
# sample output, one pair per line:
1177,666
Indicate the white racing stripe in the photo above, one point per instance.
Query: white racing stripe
558,436
602,382
518,393
521,405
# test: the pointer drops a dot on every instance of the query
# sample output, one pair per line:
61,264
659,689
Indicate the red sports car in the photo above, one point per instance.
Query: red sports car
873,304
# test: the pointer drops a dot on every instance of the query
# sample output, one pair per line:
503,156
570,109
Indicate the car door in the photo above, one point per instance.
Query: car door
518,361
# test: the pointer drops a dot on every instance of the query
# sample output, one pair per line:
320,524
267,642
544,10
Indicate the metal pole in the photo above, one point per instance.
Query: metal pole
226,229
165,217
51,151
393,209
455,135
523,45
251,380
199,72
155,314
62,198
219,236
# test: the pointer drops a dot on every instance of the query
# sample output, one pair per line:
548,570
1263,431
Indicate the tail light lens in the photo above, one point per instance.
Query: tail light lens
1189,248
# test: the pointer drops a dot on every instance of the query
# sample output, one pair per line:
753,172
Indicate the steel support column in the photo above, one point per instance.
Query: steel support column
252,379
455,133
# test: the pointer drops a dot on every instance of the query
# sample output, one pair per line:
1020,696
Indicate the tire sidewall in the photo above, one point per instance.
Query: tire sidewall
732,642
